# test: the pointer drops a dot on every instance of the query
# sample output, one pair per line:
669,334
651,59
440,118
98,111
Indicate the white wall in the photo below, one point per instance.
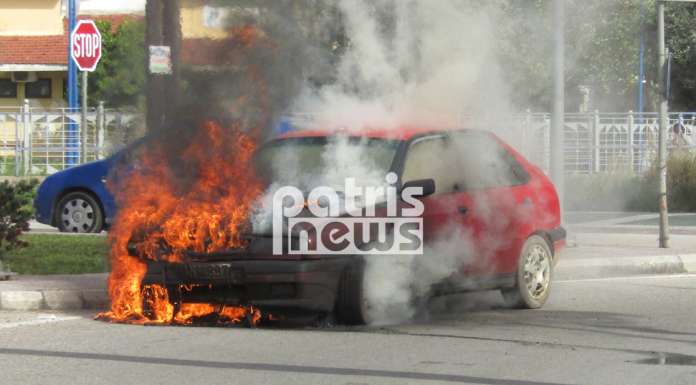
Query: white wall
111,6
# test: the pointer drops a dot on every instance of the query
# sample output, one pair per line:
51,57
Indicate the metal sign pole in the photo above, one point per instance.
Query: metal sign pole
71,128
83,123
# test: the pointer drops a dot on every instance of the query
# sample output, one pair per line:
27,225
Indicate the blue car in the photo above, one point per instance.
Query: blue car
76,199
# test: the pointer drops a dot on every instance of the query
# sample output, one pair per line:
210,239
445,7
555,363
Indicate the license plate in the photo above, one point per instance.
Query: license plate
217,272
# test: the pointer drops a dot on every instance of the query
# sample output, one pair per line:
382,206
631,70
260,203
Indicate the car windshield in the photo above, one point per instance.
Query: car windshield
313,161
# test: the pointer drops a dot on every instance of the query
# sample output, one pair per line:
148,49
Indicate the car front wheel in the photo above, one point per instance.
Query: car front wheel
79,212
533,278
351,305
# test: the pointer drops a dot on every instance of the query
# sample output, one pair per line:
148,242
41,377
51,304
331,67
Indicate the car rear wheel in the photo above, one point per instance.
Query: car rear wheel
533,278
79,212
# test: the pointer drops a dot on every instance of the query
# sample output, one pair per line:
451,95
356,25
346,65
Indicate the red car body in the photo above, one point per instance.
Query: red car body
501,217
527,208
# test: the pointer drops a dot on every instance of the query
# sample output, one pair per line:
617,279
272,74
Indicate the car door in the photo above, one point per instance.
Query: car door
500,206
450,226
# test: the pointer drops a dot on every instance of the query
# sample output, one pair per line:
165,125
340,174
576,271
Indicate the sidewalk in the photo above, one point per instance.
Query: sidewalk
628,222
611,254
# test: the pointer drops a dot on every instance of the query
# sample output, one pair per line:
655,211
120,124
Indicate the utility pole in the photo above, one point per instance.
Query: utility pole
557,116
155,93
163,30
663,117
171,33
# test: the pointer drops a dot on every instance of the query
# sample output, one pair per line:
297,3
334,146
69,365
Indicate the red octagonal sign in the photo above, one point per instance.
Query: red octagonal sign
85,42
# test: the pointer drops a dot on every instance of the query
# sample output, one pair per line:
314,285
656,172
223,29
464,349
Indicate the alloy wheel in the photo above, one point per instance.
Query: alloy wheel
537,271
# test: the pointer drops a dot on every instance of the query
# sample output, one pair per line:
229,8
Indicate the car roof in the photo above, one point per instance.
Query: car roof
398,133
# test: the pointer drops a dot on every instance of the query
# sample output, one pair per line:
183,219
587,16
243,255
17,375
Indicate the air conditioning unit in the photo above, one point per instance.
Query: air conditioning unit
24,77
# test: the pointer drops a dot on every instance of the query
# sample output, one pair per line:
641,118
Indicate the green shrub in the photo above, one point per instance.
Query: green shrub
15,212
601,192
681,184
626,191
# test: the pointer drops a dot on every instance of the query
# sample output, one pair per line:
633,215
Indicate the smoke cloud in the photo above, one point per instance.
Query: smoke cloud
414,63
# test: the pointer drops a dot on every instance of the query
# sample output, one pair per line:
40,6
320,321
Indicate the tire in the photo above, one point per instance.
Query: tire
533,278
353,307
350,305
79,212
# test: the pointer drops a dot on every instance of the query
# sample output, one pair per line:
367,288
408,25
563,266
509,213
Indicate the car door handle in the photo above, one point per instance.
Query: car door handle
462,210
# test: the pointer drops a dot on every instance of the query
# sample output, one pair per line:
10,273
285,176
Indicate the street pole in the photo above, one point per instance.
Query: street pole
641,61
662,135
155,84
557,159
83,122
171,34
71,158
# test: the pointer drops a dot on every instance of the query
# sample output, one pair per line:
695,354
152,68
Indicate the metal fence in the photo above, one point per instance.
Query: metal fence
38,141
595,142
35,141
605,142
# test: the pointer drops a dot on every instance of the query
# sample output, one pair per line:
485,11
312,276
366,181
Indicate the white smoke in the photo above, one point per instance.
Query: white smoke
408,63
412,62
397,287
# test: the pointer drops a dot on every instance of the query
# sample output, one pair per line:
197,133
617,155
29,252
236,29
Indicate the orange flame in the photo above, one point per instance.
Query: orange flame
209,217
164,216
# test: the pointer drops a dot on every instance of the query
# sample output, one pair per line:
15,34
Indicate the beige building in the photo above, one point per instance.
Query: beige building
33,53
34,49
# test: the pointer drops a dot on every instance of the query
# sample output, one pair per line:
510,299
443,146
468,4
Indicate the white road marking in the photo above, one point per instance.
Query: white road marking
632,277
41,319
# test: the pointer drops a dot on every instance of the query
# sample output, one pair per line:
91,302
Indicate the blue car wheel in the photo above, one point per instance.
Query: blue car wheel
79,212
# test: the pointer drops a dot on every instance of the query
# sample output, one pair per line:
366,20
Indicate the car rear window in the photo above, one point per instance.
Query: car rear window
485,163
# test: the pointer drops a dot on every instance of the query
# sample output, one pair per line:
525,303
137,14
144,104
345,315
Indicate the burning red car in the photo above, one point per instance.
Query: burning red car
476,190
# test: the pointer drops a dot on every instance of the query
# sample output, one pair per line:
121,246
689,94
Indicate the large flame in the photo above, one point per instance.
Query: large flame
199,205
165,219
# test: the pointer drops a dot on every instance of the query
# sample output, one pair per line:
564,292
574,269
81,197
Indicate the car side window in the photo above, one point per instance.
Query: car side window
485,163
432,158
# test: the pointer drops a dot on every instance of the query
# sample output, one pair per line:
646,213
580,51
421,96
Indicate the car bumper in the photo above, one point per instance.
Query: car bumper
42,214
558,240
300,284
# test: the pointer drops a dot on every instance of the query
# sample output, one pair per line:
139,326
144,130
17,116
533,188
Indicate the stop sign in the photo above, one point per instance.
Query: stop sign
85,42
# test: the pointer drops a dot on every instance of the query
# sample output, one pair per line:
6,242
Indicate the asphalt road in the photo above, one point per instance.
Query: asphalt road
638,330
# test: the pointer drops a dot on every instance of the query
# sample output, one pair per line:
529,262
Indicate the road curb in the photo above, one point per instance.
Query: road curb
98,299
53,299
21,300
643,265
62,299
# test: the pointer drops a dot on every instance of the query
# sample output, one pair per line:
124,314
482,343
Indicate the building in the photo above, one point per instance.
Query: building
33,50
34,47
108,7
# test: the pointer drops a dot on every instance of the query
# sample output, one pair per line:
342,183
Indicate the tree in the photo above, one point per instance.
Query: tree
602,45
602,52
119,79
681,41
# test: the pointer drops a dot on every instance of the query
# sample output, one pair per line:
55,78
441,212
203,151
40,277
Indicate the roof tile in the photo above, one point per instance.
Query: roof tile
52,49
